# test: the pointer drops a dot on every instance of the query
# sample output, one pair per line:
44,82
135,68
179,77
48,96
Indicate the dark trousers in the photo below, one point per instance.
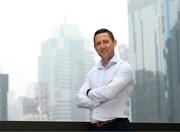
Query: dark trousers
121,124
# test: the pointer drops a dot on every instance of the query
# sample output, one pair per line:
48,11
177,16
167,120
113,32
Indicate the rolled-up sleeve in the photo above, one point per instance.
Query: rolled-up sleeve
83,101
119,83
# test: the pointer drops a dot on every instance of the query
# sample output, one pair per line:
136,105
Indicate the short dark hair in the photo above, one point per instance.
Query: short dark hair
104,30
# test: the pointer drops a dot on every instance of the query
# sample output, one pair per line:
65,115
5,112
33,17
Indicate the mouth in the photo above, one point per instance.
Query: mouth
103,51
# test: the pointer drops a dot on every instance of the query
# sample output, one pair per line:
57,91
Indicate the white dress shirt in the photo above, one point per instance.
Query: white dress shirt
110,93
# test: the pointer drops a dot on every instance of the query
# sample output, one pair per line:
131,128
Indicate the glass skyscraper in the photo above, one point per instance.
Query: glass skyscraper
154,45
63,64
3,97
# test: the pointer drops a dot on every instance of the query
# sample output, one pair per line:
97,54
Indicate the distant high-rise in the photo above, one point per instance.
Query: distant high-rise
123,52
154,54
41,97
63,63
0,68
3,97
12,106
28,110
172,56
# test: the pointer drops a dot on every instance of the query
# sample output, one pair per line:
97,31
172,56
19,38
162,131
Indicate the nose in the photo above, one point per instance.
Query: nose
102,46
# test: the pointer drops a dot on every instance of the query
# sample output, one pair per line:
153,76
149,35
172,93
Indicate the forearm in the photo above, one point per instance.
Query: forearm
85,102
109,91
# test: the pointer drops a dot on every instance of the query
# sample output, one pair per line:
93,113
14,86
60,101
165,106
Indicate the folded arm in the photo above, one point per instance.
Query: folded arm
83,101
119,83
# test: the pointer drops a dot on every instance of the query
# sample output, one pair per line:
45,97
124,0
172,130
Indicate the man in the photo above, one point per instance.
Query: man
108,87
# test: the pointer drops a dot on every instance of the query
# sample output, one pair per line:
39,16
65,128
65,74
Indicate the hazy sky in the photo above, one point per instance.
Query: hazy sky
25,24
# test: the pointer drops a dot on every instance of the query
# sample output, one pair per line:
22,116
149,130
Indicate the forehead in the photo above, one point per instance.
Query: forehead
101,36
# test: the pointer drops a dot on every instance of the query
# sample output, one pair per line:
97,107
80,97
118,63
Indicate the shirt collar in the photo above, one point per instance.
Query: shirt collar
113,60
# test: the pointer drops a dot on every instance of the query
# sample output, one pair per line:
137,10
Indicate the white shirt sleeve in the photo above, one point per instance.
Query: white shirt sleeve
119,83
83,101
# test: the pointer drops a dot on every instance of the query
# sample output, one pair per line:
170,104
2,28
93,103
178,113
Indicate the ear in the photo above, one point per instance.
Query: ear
115,42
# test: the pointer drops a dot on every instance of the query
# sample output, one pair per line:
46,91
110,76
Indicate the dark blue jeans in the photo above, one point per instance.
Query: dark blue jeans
121,124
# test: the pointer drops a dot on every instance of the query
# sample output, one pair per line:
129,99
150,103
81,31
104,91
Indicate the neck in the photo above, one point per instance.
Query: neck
107,59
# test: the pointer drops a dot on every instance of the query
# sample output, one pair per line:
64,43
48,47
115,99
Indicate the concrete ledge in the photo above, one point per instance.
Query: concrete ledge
78,126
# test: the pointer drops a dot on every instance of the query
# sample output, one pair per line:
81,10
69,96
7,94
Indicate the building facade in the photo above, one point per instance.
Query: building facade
153,45
4,79
63,64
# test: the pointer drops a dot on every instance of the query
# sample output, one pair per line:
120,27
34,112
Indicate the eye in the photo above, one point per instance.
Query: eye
106,41
97,44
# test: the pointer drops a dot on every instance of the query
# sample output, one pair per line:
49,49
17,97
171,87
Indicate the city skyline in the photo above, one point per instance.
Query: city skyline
25,25
46,51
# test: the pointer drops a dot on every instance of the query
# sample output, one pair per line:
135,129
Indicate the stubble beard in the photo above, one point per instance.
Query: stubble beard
106,58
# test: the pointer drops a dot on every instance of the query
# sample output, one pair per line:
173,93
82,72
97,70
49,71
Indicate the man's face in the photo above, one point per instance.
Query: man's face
104,45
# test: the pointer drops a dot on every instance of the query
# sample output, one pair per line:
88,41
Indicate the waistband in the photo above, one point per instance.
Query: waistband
102,123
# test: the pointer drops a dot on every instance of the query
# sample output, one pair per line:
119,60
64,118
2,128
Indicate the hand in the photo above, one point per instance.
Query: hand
110,81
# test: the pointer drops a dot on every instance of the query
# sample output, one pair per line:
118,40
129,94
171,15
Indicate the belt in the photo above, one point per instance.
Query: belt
102,123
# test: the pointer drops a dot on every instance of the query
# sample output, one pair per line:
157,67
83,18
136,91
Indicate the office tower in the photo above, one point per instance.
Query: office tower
151,53
41,98
0,67
38,92
3,97
27,110
63,63
12,106
172,56
32,106
123,52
